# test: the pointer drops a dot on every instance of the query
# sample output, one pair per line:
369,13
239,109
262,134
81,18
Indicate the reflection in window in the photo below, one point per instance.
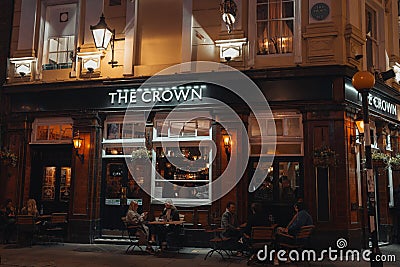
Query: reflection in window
275,24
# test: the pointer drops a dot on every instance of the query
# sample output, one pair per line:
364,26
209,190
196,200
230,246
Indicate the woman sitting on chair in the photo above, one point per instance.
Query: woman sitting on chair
133,218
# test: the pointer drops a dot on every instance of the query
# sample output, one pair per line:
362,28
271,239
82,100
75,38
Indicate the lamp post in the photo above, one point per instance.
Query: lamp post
363,81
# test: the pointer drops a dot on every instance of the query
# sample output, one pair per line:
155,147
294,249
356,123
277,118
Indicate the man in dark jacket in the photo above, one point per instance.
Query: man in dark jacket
229,222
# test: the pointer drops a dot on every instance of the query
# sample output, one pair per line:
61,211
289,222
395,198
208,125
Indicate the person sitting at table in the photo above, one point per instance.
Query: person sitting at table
167,234
135,219
230,225
30,208
286,235
8,214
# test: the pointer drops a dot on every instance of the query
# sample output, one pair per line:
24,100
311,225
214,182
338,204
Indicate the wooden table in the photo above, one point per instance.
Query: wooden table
166,223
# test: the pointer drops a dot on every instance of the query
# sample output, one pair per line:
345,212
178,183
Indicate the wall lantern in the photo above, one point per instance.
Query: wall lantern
228,11
360,128
78,141
227,144
103,36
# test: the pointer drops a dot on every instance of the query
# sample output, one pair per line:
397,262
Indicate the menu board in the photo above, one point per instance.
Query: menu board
48,186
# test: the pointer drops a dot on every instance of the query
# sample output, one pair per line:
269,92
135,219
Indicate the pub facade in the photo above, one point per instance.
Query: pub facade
300,55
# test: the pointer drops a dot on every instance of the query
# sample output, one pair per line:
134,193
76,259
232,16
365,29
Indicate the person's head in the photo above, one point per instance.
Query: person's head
133,205
231,207
168,203
299,206
31,204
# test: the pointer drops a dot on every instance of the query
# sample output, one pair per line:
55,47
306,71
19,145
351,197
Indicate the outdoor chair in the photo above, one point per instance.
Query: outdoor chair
260,236
298,242
218,244
136,235
26,229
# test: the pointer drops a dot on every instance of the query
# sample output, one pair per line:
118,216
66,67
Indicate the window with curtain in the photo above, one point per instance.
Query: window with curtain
275,26
372,42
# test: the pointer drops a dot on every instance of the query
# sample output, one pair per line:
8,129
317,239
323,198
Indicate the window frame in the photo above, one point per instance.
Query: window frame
295,56
50,122
280,20
43,54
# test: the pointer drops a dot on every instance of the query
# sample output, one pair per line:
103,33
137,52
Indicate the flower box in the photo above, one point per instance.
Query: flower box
324,157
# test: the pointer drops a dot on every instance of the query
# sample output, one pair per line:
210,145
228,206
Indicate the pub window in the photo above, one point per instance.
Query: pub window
59,36
56,180
122,137
275,26
188,185
371,38
189,179
288,131
52,131
388,142
180,129
374,141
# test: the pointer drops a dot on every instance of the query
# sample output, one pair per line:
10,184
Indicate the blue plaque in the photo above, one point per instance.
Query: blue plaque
320,11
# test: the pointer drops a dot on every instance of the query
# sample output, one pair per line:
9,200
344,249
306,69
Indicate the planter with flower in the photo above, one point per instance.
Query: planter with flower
380,159
324,157
8,158
394,162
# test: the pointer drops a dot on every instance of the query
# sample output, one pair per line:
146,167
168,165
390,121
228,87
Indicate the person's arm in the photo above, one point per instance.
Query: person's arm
297,223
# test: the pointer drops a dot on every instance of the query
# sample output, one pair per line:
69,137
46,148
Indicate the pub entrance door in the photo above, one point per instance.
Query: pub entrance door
50,181
282,187
118,190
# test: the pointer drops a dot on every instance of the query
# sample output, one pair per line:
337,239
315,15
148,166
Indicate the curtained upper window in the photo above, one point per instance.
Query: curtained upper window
275,25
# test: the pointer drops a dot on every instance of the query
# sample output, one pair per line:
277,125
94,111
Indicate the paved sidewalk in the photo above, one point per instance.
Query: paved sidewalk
114,255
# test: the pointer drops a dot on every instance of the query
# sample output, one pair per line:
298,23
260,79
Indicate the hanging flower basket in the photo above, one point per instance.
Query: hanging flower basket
324,157
8,158
380,160
394,163
141,153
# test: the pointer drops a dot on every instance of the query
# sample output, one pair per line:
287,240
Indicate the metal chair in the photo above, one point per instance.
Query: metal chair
218,244
136,235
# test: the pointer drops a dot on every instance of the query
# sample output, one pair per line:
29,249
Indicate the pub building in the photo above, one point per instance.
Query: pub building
64,114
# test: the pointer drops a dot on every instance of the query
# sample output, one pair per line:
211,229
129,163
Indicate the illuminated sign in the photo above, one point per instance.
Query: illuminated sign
157,95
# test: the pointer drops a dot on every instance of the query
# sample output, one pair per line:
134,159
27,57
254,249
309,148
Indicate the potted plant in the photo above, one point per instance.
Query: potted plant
324,157
394,162
380,159
8,158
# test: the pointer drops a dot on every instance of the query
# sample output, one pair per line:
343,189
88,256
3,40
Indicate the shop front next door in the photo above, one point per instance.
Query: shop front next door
282,187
